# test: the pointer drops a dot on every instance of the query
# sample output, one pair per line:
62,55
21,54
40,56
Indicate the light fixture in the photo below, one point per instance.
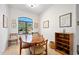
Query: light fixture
33,5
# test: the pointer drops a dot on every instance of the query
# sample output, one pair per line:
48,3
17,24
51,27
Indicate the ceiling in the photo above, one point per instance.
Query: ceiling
37,10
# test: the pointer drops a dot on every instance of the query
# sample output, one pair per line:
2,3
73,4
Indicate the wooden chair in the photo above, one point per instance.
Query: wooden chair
13,38
39,48
23,45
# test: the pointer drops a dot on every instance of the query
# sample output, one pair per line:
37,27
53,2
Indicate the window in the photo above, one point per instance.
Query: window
24,25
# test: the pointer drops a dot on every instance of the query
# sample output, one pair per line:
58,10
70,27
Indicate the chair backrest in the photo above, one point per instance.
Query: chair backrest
20,41
41,44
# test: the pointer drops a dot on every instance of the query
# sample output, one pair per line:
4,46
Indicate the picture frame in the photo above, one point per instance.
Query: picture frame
5,21
65,20
46,24
35,25
13,23
78,23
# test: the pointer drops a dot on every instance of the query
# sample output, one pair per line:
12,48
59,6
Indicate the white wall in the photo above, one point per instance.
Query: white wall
15,13
3,31
3,39
52,14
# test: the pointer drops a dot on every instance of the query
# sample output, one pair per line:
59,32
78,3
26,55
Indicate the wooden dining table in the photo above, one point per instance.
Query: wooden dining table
34,40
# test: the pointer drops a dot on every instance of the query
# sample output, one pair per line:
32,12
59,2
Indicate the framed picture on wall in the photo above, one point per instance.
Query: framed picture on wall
65,20
46,24
13,23
77,22
35,25
5,21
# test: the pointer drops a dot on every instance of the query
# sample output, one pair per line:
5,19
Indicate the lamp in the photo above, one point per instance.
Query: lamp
33,5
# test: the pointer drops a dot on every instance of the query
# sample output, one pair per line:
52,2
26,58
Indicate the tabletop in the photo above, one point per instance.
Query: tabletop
32,39
37,39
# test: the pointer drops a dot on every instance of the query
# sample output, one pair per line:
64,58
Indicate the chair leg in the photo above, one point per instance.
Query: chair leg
46,52
29,51
20,51
46,48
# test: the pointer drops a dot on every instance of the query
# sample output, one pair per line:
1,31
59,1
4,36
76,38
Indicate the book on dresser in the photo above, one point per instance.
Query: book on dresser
64,43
